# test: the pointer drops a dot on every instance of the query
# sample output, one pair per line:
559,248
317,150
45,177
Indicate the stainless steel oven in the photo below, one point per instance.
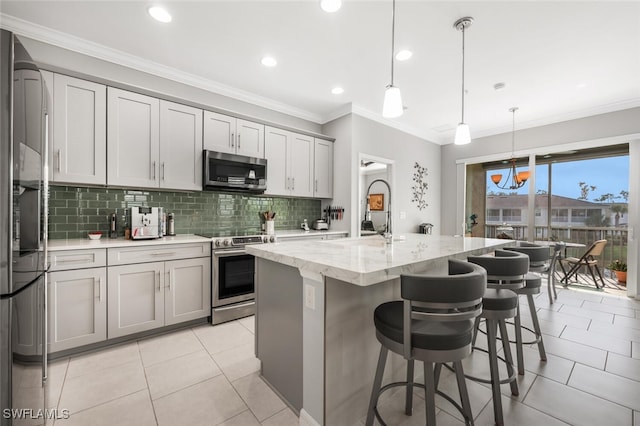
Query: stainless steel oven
232,287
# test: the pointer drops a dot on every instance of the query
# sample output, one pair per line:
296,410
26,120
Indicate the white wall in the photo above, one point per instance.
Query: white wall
377,140
78,65
599,130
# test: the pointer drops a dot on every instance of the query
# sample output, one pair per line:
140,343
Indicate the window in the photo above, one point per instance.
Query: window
493,215
559,215
512,215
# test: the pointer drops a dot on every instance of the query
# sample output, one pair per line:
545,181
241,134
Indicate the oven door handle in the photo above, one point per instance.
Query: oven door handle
236,306
223,253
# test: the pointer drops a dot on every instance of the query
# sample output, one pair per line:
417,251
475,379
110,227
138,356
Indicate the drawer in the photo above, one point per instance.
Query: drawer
77,259
153,253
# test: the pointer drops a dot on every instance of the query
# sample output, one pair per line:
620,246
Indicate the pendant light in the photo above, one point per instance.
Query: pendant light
514,179
392,106
463,136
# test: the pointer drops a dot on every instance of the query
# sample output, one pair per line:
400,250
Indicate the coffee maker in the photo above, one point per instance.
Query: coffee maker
145,222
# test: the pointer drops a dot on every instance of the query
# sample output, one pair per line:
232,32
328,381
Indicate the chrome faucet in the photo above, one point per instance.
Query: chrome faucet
387,234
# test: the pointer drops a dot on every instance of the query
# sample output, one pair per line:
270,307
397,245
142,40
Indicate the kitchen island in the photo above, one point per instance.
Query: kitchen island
315,336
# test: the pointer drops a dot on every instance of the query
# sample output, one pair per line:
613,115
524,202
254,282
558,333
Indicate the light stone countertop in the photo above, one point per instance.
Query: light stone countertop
290,233
106,242
369,260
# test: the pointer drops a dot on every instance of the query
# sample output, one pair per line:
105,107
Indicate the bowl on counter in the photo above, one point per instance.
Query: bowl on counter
94,235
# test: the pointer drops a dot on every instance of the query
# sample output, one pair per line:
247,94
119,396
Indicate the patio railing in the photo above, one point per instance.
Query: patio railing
616,238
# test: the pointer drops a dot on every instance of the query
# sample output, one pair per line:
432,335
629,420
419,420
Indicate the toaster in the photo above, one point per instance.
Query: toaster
144,222
320,225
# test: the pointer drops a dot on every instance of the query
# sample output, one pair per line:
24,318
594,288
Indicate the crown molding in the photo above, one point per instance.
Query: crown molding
99,51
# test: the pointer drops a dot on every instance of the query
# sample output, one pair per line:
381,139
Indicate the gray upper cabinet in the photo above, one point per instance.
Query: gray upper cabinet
323,169
79,121
232,135
289,163
133,133
180,146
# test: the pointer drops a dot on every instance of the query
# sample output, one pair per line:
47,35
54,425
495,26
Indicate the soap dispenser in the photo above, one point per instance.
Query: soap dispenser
305,225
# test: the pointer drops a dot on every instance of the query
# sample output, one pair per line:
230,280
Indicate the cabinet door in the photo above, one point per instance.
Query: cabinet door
135,298
77,308
180,146
132,139
187,290
323,169
219,132
301,154
80,134
250,140
275,151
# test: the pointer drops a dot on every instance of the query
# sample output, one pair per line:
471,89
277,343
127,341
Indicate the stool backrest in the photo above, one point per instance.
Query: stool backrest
456,296
506,269
538,255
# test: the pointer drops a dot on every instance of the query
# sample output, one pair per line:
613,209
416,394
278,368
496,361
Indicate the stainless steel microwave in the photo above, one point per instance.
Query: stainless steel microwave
231,172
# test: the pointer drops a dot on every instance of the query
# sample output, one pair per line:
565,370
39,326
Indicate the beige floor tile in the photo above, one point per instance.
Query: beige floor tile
168,346
598,340
608,308
222,337
625,302
207,403
249,323
285,417
615,330
587,313
89,390
105,358
627,322
574,406
178,373
608,386
623,366
516,413
237,362
575,352
262,401
131,410
555,368
581,294
246,418
547,327
563,318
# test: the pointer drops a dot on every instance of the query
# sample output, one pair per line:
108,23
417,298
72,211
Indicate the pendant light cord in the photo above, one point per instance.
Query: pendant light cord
393,32
463,28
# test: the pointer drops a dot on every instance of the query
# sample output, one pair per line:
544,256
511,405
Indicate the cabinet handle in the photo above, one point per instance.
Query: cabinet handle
100,288
288,183
59,166
293,183
164,253
163,170
316,188
158,280
238,140
153,168
169,280
96,287
233,138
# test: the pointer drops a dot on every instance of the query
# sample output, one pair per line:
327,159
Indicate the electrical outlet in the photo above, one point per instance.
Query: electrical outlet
310,296
403,215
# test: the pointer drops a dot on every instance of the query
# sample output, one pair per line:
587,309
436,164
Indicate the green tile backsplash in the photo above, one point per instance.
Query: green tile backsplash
74,211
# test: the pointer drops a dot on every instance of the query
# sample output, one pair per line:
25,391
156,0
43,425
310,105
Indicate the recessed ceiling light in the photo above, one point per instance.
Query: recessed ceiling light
337,90
159,14
403,55
330,6
268,61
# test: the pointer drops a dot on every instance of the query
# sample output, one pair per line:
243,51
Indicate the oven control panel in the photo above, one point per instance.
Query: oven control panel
239,242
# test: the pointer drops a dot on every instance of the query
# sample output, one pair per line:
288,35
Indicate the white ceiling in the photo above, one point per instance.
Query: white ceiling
559,59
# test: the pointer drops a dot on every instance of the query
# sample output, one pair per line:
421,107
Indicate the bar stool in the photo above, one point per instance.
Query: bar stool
538,257
505,275
558,249
433,324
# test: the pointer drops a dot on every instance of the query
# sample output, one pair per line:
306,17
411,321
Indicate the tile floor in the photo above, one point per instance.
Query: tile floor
209,376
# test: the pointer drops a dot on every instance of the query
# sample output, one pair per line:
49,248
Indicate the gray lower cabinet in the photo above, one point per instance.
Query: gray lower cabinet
76,298
77,308
144,296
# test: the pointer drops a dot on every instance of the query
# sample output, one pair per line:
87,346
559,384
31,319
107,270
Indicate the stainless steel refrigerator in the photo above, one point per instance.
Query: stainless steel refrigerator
23,237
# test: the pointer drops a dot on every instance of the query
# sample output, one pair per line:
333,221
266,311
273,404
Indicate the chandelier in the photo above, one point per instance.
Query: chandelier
514,179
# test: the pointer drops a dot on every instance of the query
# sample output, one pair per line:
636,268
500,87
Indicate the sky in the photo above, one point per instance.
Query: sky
608,175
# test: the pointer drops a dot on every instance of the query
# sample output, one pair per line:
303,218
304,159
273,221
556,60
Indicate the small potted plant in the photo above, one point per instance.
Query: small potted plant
620,268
